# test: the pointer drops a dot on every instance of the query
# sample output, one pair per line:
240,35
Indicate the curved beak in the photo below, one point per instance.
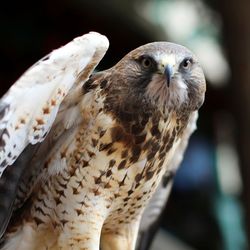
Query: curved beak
166,67
168,72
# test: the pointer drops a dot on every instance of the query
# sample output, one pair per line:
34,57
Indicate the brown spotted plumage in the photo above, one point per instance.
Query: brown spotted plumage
105,150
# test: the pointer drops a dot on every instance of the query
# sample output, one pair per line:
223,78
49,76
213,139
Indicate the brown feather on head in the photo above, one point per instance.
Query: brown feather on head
162,75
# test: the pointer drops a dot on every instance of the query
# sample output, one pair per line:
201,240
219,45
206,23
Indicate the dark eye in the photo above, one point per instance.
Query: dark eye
186,63
147,62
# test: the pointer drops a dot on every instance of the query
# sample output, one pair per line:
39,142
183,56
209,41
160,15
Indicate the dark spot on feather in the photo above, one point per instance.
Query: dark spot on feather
107,185
134,158
138,177
63,154
75,191
122,164
83,203
63,185
39,121
4,163
169,144
111,163
149,175
3,109
158,170
57,200
102,133
155,146
36,137
130,192
161,162
89,85
111,151
162,155
98,180
53,102
166,138
103,84
96,192
139,198
46,110
116,196
90,153
105,146
2,143
38,209
61,192
167,178
151,156
155,131
85,164
63,222
38,221
79,212
126,199
109,173
123,180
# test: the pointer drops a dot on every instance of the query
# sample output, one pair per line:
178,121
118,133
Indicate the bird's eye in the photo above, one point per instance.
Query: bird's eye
186,63
147,62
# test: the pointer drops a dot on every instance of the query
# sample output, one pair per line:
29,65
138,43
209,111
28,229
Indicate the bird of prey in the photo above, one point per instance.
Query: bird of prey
81,153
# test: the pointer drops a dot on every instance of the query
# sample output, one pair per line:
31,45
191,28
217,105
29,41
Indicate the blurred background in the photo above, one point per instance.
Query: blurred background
209,207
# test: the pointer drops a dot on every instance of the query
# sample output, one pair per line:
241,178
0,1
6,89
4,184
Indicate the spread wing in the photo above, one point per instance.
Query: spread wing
38,100
29,108
150,219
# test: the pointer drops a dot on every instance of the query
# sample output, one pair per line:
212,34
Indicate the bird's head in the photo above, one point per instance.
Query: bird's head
167,74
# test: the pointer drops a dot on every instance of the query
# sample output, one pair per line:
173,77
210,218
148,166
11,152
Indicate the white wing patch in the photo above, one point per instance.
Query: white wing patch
29,108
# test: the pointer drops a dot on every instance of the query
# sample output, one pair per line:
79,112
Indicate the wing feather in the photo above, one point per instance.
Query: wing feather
29,108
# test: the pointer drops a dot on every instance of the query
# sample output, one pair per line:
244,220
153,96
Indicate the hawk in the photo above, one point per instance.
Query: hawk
81,153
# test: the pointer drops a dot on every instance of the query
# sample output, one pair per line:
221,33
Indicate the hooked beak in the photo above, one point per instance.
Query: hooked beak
168,73
166,67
